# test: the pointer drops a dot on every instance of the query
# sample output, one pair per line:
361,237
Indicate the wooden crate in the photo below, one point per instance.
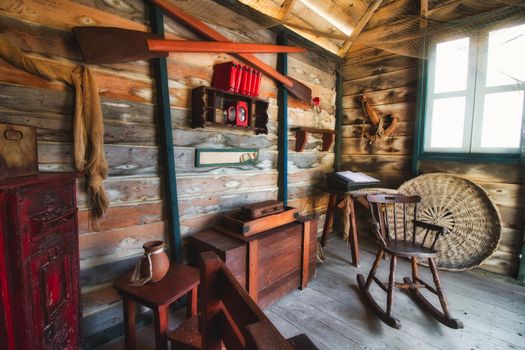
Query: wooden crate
269,264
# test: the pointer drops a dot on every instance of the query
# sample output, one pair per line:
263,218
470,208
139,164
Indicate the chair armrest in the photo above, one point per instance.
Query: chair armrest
428,226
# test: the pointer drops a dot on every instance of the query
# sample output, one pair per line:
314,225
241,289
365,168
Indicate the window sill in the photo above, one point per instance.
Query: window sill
471,157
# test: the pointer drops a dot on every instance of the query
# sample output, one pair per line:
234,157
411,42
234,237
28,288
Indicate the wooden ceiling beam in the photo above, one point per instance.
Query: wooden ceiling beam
359,27
315,32
285,9
331,12
423,14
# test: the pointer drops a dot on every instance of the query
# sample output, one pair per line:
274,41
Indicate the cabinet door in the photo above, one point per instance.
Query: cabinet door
54,297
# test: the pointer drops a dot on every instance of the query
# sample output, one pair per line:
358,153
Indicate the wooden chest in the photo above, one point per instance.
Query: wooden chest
39,266
269,264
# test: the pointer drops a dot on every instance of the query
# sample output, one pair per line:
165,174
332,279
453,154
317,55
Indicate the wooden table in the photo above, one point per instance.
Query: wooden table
179,281
355,196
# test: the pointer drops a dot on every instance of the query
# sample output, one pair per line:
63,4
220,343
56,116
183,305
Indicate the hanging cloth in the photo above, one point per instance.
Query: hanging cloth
88,125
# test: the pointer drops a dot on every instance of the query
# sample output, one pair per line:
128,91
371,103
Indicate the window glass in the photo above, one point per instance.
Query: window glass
448,122
475,100
502,116
506,56
451,66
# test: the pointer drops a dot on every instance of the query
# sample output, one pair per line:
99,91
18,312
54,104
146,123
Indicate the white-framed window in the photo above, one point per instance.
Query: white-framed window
475,92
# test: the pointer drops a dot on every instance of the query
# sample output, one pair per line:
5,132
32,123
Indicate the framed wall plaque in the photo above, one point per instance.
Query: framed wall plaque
213,157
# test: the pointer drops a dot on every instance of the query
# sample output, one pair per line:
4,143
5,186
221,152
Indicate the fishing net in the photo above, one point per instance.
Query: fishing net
396,27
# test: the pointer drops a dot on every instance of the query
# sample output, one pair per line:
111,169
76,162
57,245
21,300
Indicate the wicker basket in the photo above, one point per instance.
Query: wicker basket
466,210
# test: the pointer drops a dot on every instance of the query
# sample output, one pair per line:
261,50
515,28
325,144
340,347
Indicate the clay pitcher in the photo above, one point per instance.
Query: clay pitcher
159,261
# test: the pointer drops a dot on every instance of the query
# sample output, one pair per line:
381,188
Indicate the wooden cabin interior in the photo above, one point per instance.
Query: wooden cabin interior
123,164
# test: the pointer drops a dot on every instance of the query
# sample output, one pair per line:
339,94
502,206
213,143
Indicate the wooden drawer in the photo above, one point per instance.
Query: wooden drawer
61,228
42,207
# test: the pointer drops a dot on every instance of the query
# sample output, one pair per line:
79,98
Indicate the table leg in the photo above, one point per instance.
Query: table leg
129,324
253,259
305,252
354,244
191,307
160,315
329,219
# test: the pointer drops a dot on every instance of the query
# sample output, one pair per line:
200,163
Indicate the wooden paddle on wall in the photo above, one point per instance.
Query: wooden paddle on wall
295,87
104,45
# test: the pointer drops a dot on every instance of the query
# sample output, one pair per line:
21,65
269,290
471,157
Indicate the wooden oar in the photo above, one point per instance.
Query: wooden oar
159,45
295,87
104,45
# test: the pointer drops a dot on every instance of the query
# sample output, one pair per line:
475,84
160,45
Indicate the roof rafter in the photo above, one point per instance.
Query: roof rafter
331,13
285,9
360,26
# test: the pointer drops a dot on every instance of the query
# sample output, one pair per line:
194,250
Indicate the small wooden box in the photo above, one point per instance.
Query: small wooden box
18,154
261,209
269,264
236,222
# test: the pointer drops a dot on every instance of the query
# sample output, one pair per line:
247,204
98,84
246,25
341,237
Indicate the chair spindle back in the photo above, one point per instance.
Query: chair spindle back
386,210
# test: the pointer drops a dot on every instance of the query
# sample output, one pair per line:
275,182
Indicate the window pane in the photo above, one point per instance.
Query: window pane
451,66
448,119
505,56
502,115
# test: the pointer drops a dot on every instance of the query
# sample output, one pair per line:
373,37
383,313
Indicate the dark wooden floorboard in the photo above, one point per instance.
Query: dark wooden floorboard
332,312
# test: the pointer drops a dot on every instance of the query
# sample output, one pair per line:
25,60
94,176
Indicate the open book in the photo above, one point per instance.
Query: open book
356,177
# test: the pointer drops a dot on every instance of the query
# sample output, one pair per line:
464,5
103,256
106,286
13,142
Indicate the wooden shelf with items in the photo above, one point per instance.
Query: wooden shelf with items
210,107
301,136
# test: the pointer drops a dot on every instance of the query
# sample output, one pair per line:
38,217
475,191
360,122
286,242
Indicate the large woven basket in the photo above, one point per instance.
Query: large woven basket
466,210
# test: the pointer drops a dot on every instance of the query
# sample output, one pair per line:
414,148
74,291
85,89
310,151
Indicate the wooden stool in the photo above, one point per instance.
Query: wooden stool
179,281
337,200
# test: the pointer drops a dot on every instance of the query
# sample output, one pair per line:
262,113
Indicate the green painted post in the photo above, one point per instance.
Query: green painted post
282,101
338,115
419,128
166,135
521,270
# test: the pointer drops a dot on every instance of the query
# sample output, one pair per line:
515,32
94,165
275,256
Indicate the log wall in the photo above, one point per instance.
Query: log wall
43,29
390,82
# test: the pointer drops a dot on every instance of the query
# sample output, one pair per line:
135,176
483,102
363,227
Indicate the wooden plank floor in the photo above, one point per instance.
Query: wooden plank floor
332,313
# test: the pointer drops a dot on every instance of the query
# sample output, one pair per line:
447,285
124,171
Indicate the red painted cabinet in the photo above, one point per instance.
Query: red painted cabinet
39,264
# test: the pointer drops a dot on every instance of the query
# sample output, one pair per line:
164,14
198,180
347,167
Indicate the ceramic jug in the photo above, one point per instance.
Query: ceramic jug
152,266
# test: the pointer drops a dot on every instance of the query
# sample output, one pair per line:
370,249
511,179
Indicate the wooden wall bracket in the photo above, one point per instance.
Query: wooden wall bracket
301,136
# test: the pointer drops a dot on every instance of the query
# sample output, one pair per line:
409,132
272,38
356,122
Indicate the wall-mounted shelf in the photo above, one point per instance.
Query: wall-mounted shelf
209,104
301,136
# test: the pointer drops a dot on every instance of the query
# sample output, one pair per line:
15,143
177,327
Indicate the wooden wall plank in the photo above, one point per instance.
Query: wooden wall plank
392,95
398,145
384,81
500,173
106,246
64,14
122,216
404,111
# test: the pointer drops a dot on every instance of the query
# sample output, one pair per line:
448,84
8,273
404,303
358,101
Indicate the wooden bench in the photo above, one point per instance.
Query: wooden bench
229,318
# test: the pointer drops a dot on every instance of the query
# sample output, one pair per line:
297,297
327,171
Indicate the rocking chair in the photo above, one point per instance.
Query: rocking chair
400,238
